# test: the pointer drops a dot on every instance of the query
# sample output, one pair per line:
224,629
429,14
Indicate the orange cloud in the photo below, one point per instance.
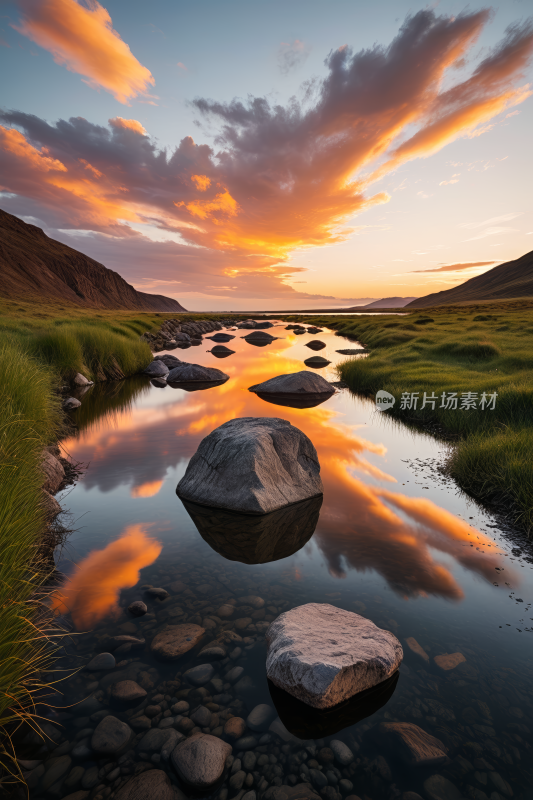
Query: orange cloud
128,124
202,182
83,39
14,142
93,591
222,202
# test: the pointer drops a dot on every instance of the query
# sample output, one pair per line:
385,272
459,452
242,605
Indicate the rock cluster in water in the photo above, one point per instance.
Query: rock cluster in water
254,465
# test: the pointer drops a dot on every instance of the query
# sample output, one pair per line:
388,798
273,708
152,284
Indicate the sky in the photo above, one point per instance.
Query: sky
268,156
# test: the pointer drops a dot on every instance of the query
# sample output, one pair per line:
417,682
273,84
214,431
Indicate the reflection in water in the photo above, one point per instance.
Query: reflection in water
253,539
92,592
361,527
307,722
311,401
196,386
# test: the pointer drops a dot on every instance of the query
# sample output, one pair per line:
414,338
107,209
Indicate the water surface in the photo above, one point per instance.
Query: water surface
395,541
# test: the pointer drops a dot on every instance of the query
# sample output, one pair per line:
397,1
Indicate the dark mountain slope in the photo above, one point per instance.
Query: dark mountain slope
389,302
33,266
510,280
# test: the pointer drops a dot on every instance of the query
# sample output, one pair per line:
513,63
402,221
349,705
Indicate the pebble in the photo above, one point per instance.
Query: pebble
158,593
176,640
126,692
260,717
55,772
212,652
102,661
234,674
200,675
448,661
181,707
153,784
202,717
225,611
341,752
111,736
437,787
234,728
246,743
252,600
138,608
200,760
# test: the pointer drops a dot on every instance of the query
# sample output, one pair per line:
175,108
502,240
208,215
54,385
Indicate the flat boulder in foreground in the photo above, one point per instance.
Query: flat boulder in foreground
254,465
190,373
295,385
324,655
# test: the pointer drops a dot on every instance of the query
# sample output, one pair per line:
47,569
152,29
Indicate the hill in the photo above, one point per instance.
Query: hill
387,302
33,266
511,280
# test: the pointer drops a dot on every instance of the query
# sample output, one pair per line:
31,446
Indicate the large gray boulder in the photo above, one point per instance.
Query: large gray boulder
200,760
188,373
156,369
254,465
324,655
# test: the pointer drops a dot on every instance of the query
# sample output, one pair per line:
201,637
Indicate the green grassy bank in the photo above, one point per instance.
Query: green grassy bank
459,350
41,349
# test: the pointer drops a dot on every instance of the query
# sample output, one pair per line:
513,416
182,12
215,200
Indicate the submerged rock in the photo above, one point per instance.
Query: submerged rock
304,389
111,737
157,369
253,539
127,693
176,640
449,661
324,655
200,760
154,784
414,746
138,608
253,465
102,661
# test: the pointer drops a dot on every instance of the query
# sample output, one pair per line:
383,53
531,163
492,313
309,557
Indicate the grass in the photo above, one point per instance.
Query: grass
463,349
30,417
42,348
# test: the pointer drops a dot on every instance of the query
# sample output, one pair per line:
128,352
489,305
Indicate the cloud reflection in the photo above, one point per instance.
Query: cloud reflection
93,591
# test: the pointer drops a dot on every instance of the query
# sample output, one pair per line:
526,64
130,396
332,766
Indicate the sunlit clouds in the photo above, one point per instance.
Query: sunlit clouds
282,178
92,592
84,41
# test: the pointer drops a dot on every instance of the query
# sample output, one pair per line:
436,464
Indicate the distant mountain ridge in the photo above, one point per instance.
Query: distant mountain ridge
507,281
33,266
388,302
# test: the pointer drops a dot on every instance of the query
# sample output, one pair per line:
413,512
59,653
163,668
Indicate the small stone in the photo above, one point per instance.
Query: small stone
101,662
56,771
225,611
127,692
141,723
157,593
200,760
138,608
417,649
234,674
70,404
111,736
81,380
166,722
345,786
202,717
200,675
342,752
252,600
448,661
413,745
176,640
212,652
246,743
90,778
234,728
151,785
249,760
243,623
260,717
181,707
437,787
152,711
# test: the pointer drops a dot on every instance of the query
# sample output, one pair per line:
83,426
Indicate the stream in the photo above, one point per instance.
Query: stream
396,541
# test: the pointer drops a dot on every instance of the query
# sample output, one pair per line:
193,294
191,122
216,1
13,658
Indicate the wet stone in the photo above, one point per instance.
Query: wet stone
157,593
260,717
414,745
234,728
56,771
342,753
202,717
138,608
200,760
234,674
151,785
127,692
200,675
101,662
176,640
246,743
437,787
448,661
111,736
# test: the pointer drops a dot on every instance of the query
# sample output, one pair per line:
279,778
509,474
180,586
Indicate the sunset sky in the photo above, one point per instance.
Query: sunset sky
295,154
